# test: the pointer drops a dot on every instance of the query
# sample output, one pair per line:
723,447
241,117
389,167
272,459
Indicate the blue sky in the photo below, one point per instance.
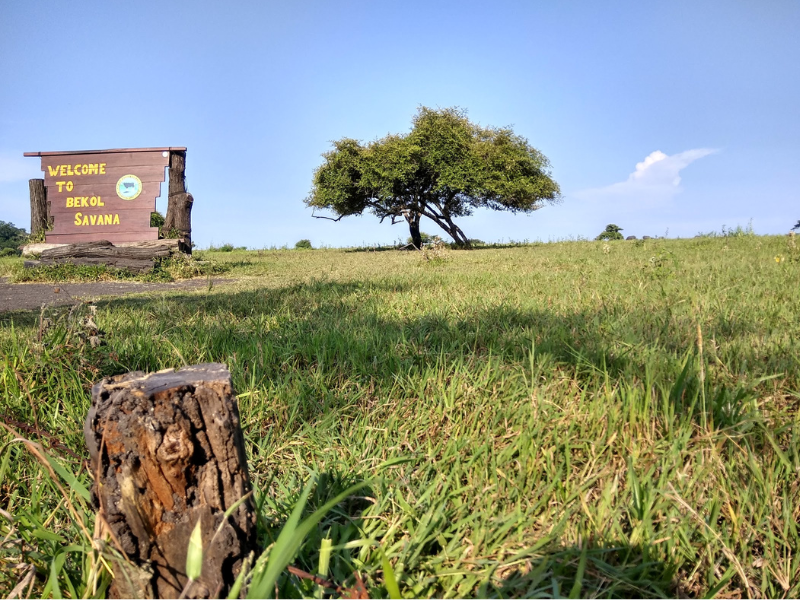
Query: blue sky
678,116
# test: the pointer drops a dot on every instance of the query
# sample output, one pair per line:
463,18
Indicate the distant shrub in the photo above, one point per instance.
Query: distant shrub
730,232
612,232
223,248
304,245
8,252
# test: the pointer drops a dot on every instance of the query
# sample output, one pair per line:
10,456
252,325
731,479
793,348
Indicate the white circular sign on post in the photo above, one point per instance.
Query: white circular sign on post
165,154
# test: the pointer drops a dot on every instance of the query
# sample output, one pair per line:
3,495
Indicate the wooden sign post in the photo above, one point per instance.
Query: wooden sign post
103,194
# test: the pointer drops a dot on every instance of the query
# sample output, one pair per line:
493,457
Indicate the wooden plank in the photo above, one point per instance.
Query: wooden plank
123,223
105,248
110,160
111,237
116,207
108,192
110,151
111,175
128,211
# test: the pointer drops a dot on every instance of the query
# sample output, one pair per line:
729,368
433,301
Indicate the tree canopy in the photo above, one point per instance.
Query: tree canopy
444,168
11,236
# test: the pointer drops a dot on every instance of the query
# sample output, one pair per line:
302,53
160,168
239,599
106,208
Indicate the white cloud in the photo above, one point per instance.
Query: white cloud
15,167
655,180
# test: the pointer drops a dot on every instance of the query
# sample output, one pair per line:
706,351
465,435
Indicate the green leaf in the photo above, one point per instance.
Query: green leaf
389,579
291,538
575,592
194,554
324,557
75,485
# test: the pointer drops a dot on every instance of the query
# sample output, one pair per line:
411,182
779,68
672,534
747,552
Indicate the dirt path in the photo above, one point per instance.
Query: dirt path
31,296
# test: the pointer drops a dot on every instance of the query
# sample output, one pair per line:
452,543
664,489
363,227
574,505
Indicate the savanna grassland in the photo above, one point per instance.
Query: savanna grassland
569,419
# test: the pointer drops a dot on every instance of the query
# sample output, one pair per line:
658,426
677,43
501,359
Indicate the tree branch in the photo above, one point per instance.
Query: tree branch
339,218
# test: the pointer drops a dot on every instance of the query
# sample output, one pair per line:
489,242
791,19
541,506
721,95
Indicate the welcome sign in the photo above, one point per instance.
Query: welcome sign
103,194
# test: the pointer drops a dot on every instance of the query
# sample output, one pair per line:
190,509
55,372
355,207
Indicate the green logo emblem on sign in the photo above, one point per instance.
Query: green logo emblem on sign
129,187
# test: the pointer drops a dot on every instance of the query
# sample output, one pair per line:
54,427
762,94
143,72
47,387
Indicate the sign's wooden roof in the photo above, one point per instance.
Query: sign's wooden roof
113,151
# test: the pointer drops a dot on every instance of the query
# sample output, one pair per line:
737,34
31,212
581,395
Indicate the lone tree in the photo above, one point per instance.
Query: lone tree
612,232
444,168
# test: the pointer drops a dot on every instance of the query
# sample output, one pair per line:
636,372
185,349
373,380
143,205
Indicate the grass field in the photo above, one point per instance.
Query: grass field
570,419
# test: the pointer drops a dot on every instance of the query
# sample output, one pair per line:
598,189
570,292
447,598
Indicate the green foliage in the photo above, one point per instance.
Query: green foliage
730,232
82,273
534,421
38,238
426,238
156,219
11,236
303,245
611,232
7,251
445,168
178,266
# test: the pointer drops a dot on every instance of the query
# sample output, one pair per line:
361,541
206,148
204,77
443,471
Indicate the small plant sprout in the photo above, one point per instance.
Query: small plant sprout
194,556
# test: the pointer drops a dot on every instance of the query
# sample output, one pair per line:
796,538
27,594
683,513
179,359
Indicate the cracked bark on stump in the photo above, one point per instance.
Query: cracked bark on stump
167,449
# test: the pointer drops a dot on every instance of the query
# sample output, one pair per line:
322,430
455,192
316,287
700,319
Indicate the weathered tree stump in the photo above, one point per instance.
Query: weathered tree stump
179,203
167,450
40,217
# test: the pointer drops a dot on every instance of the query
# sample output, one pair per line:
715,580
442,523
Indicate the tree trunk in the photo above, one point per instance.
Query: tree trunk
136,257
453,230
178,220
40,215
458,235
167,452
413,228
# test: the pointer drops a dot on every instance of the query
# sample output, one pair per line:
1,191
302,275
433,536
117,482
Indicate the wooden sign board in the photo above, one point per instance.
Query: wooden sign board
103,194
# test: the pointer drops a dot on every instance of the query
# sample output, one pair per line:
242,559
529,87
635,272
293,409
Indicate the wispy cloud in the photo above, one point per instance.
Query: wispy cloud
655,180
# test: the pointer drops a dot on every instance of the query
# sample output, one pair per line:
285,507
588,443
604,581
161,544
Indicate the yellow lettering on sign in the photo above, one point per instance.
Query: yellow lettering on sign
87,220
79,169
69,186
69,202
60,185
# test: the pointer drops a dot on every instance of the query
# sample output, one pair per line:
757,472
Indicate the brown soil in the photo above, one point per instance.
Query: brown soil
31,296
